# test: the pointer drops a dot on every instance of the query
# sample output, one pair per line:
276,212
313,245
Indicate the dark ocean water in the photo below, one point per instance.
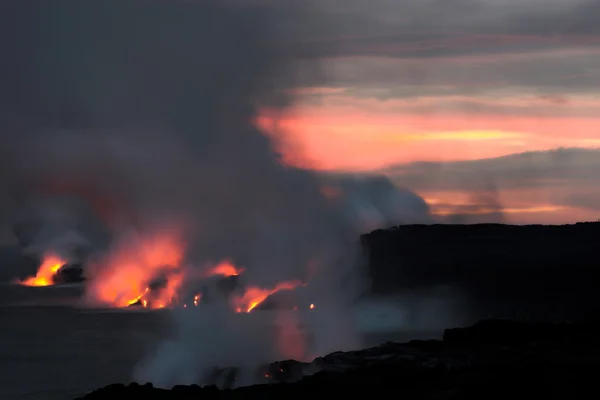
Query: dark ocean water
50,349
61,353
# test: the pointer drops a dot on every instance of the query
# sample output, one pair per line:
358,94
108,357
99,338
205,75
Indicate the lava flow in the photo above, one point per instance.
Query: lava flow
50,266
148,272
128,277
124,278
226,268
253,295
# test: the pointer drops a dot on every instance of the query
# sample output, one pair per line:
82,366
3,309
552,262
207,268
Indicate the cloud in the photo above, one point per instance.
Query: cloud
513,171
543,181
554,72
447,47
446,27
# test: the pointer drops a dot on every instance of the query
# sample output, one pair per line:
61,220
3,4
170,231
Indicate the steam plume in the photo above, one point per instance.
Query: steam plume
144,110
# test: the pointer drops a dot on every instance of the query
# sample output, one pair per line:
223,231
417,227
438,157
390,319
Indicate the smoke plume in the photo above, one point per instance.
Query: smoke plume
144,110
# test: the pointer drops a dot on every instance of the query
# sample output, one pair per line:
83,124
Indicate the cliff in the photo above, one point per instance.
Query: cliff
533,270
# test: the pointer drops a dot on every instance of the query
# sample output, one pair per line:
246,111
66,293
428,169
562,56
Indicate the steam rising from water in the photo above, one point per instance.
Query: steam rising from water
144,110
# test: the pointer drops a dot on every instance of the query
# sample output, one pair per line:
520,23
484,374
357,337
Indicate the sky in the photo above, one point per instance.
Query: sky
488,109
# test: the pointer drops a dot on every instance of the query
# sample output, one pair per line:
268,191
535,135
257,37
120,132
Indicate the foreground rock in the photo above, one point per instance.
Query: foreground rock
491,360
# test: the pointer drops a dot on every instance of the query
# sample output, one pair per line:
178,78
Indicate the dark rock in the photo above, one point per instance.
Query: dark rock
504,332
69,273
492,360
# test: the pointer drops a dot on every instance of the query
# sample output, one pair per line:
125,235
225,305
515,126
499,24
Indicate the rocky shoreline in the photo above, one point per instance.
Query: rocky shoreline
491,359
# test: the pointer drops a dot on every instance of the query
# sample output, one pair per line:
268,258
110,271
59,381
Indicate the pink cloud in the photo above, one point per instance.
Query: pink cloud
363,138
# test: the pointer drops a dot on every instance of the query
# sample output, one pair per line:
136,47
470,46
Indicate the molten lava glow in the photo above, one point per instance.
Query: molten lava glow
144,302
167,295
225,268
125,275
253,295
45,274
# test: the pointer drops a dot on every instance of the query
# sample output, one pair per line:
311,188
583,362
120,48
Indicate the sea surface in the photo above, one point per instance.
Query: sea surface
51,348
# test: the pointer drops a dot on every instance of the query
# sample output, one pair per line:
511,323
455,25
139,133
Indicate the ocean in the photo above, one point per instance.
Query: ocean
61,353
50,348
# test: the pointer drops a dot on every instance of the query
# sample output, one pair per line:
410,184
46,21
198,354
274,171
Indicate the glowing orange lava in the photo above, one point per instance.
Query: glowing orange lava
125,277
45,274
253,295
139,298
225,268
128,277
168,295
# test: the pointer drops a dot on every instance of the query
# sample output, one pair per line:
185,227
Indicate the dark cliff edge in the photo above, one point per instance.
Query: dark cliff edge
492,359
531,271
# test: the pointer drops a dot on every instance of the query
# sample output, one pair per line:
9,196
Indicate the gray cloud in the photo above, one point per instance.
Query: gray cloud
565,177
550,73
440,27
448,47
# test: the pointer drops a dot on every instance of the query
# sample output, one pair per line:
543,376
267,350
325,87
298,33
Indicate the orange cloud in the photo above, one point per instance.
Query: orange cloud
353,139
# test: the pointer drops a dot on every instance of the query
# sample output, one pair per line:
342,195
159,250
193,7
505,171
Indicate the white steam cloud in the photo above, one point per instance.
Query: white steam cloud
144,110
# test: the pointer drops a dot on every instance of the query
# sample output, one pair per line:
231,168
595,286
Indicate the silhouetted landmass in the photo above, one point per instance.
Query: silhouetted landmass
531,271
489,360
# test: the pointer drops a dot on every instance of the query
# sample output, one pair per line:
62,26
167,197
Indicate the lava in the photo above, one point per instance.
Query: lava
225,268
125,276
253,295
50,266
139,298
148,272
